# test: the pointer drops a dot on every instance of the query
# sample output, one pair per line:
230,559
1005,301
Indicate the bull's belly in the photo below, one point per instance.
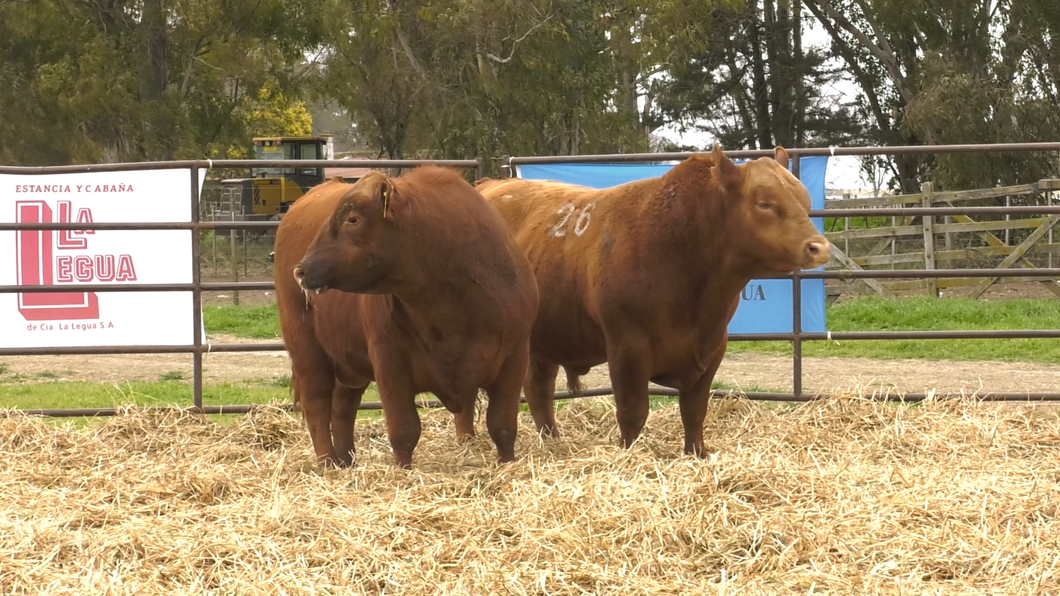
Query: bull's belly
447,379
568,339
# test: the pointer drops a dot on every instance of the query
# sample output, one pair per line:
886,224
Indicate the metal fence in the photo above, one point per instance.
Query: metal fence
197,348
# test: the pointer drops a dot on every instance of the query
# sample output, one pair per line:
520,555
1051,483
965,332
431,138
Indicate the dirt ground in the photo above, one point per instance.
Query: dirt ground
750,372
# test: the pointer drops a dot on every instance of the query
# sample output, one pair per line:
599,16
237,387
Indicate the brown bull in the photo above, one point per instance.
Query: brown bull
429,293
646,276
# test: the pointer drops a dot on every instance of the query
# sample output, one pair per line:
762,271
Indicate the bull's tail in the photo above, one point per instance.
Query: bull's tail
296,405
574,381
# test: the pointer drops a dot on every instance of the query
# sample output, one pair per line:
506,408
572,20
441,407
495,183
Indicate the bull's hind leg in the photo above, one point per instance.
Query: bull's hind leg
315,379
502,411
345,401
540,389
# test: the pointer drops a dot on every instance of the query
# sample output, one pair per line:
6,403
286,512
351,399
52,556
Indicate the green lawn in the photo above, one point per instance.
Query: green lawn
22,395
255,322
863,314
105,395
925,314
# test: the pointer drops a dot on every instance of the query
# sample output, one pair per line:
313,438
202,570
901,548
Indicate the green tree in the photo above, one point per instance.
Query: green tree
129,80
755,85
975,71
460,78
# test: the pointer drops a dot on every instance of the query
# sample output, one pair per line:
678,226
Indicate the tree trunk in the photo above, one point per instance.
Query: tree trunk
798,62
761,88
153,80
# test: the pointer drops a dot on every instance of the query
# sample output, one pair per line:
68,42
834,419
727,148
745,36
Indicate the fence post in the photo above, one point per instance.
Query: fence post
894,241
929,239
846,228
196,292
1008,218
234,244
948,246
213,240
1049,203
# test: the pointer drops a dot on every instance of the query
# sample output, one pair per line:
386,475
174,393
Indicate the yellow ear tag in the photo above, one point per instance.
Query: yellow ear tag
384,202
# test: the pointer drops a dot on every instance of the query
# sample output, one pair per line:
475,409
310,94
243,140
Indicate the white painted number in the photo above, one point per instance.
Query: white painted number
580,224
558,230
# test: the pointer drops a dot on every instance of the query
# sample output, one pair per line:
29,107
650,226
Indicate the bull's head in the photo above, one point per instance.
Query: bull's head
774,231
357,248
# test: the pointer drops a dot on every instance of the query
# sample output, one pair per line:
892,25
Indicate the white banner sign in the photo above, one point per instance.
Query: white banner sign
62,257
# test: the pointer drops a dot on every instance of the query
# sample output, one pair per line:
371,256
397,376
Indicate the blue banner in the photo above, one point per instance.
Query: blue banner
766,305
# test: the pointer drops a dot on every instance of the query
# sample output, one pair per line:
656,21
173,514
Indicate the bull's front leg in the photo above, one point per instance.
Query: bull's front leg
694,399
502,411
628,364
402,420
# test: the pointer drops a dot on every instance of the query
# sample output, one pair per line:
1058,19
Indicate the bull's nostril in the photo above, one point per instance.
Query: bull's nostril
817,249
299,274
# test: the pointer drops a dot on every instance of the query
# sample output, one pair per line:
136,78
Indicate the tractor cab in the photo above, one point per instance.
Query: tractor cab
270,190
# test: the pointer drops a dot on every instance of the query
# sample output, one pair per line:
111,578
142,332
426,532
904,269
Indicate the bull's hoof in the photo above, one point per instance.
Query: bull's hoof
335,464
551,432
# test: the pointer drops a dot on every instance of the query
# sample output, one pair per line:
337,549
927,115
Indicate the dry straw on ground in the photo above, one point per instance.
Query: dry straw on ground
841,496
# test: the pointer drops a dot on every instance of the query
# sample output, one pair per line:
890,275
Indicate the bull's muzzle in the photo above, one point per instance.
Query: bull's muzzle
817,252
307,285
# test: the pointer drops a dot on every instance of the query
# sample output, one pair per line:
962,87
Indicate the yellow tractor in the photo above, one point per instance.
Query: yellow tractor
270,191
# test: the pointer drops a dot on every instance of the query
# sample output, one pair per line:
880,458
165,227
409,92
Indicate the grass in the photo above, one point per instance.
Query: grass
863,314
163,393
255,322
925,314
77,394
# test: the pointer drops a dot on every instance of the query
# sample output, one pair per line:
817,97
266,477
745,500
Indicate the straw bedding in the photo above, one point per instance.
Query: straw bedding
841,496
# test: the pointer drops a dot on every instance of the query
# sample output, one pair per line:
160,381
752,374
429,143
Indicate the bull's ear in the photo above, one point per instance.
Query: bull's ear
726,168
781,155
387,194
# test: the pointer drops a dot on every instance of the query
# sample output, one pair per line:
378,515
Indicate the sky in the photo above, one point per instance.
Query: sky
842,172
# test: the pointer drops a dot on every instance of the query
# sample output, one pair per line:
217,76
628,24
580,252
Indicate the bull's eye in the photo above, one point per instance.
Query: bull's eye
765,206
353,219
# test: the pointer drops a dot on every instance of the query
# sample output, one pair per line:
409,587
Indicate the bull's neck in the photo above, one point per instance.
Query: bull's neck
702,237
426,303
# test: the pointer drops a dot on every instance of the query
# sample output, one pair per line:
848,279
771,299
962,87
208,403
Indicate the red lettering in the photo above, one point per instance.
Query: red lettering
67,241
62,268
83,268
84,215
104,267
126,272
